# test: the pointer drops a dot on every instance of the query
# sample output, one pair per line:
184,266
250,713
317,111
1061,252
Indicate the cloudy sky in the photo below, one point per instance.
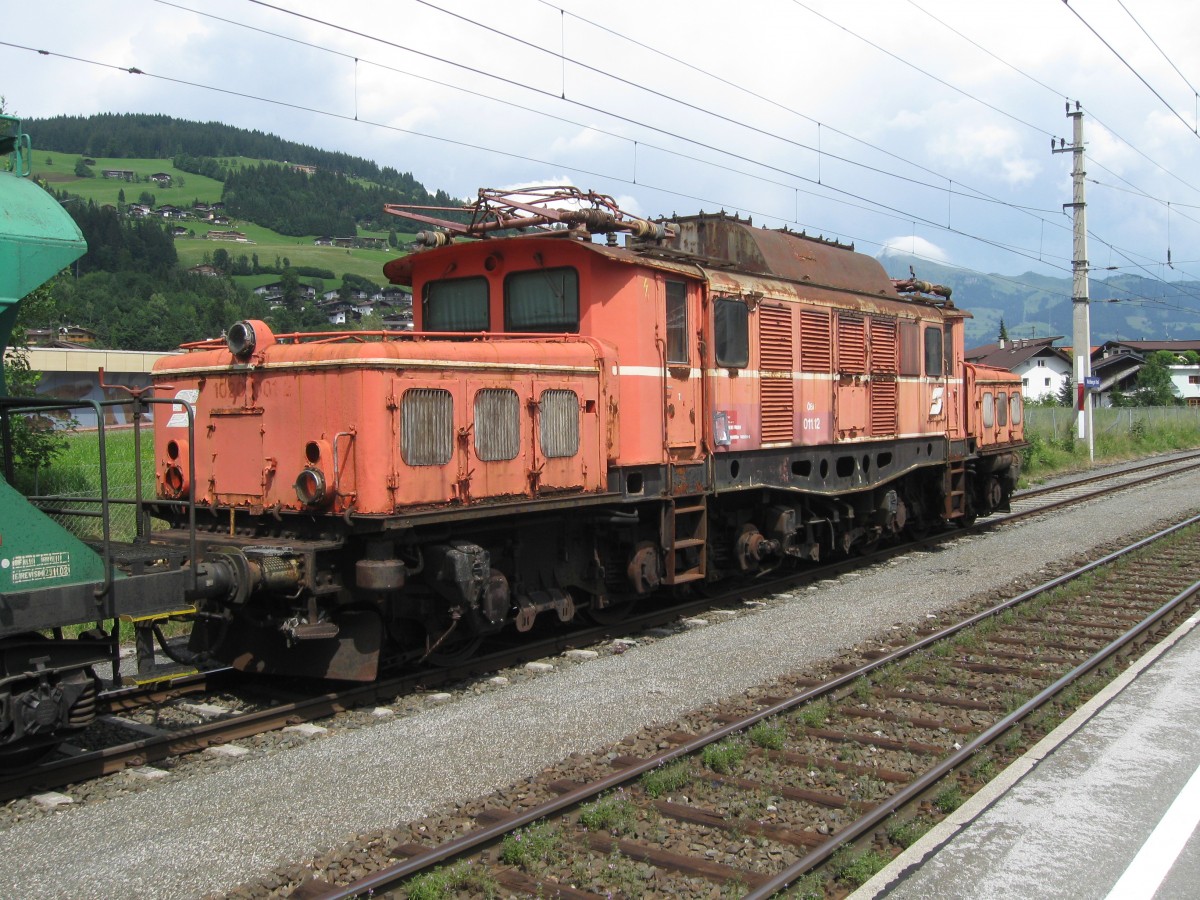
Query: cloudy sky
923,125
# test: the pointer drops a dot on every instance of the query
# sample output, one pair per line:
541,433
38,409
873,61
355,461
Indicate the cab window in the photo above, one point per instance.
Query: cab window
933,351
456,304
542,300
732,332
677,344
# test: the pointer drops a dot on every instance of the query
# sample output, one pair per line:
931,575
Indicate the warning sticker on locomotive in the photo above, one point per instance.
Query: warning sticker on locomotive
179,417
29,567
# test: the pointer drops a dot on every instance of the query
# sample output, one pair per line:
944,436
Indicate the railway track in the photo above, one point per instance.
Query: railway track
146,744
777,796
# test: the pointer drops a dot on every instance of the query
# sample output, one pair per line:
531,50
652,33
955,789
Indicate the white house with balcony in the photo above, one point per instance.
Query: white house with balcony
1043,368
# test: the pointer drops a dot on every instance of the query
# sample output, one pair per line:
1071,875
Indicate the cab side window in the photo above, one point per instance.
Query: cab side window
933,351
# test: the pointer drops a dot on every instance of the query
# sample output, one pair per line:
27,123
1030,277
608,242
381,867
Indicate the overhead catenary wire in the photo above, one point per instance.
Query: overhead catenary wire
873,206
1170,62
897,213
632,121
674,135
703,200
1127,65
1058,94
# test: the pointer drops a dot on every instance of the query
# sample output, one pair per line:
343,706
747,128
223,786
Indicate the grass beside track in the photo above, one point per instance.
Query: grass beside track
1050,455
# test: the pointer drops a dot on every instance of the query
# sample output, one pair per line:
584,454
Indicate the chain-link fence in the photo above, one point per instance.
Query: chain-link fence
1057,422
69,487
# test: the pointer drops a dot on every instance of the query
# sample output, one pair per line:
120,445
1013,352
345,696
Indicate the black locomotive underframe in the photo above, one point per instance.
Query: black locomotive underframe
581,545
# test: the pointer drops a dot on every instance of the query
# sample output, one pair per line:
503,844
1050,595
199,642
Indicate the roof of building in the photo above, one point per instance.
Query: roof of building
1008,354
1152,346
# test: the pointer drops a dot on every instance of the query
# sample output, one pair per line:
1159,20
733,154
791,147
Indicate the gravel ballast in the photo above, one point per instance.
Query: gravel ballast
211,833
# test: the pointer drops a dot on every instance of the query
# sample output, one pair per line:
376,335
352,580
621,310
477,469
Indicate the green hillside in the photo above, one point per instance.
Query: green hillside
57,170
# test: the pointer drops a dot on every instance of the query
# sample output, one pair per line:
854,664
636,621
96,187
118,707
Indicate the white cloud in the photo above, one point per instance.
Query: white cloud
911,245
982,149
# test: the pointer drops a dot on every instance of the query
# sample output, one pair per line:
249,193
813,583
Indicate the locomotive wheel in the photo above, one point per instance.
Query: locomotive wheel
453,652
24,756
614,613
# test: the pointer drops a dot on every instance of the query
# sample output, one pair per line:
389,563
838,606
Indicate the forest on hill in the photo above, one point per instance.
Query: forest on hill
344,193
137,135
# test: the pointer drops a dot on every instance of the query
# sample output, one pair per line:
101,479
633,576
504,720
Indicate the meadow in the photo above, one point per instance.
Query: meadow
193,249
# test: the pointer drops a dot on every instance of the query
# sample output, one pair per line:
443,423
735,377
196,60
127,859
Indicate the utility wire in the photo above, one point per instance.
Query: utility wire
730,120
900,214
971,194
707,73
1159,49
632,121
915,67
1125,62
1057,94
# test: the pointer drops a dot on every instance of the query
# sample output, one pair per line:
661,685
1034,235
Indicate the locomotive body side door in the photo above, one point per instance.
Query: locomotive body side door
681,372
933,384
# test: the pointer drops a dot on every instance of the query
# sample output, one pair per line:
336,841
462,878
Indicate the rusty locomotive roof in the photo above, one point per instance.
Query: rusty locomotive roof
709,245
722,241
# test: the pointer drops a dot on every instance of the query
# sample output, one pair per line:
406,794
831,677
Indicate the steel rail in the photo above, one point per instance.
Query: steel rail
114,759
477,839
959,757
1040,490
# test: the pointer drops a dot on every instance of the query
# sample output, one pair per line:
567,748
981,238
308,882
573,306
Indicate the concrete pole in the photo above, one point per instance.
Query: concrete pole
1081,338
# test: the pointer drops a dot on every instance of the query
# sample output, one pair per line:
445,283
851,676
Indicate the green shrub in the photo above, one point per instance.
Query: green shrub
856,871
451,882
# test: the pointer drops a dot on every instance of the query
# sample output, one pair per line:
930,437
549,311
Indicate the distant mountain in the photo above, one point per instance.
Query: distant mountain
1126,307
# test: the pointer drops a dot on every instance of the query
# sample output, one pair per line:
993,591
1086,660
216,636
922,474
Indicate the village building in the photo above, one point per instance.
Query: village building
1043,368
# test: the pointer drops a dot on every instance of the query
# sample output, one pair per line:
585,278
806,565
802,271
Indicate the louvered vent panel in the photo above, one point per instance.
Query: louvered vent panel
884,347
775,338
497,424
851,343
883,407
559,423
815,345
426,427
777,405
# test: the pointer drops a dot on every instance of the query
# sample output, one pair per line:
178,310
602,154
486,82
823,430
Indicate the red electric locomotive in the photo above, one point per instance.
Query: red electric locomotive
572,425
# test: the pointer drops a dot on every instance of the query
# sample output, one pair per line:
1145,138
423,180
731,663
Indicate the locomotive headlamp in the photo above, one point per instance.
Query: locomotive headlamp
241,340
310,486
175,478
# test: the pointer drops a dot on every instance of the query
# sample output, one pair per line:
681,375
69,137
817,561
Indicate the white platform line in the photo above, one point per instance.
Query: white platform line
1148,869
